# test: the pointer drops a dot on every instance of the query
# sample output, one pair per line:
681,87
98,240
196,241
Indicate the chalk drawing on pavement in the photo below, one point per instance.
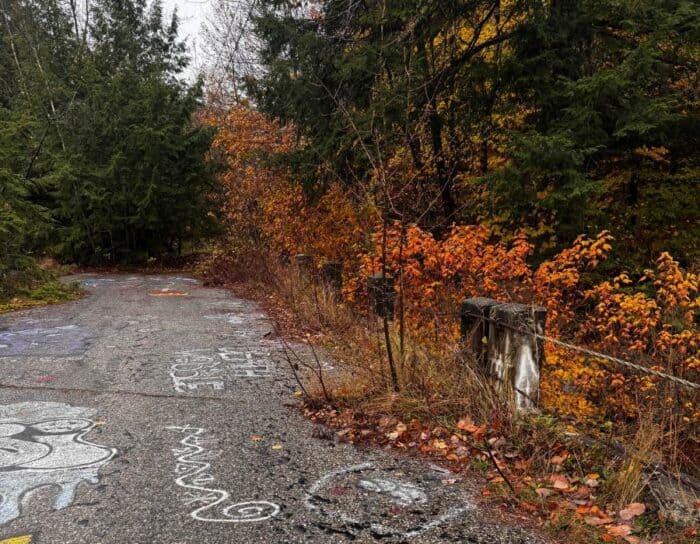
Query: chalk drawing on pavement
193,473
213,368
60,340
358,495
402,493
231,319
93,283
166,292
43,444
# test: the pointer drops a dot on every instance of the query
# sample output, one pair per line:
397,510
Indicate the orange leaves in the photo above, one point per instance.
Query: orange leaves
633,510
648,320
560,482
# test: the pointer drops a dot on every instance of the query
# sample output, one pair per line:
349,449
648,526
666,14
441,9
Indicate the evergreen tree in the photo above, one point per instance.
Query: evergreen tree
102,133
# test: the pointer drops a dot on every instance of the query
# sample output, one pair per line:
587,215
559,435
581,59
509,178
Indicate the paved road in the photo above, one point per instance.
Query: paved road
155,411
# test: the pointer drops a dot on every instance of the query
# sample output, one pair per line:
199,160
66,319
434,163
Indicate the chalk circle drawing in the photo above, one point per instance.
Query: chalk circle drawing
43,444
212,368
358,494
193,472
402,493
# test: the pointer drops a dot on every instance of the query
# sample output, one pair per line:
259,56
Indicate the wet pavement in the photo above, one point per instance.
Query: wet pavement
155,410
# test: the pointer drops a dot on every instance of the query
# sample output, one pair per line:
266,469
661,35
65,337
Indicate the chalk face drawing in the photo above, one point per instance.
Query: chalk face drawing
367,497
43,444
61,340
213,368
193,473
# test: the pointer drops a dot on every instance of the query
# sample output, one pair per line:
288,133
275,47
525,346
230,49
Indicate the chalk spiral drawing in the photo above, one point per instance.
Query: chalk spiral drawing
193,471
207,368
42,444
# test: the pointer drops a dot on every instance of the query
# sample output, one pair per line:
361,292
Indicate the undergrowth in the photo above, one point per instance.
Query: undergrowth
36,286
445,407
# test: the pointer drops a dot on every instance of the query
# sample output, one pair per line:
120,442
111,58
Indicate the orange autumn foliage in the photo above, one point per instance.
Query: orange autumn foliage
650,320
263,209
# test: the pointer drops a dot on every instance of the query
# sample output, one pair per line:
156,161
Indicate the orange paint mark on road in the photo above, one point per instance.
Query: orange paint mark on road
168,293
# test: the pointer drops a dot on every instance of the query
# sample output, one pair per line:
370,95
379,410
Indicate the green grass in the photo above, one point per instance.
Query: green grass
49,291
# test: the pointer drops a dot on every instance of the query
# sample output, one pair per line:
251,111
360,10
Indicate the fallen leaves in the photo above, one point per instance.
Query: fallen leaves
558,495
633,510
596,521
559,482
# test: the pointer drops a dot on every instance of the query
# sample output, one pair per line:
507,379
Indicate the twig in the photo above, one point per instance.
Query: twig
487,449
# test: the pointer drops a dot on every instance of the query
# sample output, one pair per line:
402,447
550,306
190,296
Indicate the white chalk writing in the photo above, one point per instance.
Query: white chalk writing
211,369
193,472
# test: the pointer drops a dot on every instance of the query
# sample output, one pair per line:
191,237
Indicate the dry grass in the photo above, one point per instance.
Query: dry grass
438,385
631,477
437,381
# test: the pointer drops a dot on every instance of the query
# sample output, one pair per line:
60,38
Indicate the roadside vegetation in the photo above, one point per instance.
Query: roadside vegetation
536,152
529,152
604,431
101,161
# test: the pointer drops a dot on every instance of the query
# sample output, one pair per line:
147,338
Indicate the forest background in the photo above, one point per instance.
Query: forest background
539,152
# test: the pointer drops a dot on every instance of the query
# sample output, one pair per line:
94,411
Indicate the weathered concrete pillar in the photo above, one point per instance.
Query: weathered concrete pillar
332,275
515,356
382,294
305,266
285,258
474,325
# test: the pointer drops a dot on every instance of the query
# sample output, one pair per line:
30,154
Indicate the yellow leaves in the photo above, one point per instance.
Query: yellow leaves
25,539
655,154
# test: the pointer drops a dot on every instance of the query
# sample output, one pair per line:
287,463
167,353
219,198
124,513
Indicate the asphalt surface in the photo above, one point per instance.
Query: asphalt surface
157,411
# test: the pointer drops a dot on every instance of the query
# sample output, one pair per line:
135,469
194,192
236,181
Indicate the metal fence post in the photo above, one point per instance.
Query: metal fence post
382,294
331,274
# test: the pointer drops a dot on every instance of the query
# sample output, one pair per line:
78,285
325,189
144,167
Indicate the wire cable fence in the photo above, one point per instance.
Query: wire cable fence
567,345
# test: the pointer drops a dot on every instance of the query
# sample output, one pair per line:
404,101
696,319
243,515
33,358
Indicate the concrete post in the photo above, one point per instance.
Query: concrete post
382,295
515,356
305,266
332,275
285,258
474,326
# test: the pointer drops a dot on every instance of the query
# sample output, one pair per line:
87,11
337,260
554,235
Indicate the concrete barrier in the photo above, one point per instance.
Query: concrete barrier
501,338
